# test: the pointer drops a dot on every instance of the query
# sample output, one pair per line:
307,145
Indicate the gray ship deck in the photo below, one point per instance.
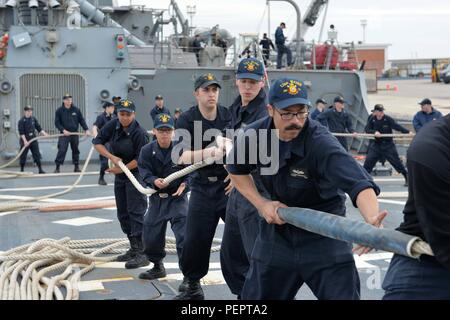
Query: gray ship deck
112,280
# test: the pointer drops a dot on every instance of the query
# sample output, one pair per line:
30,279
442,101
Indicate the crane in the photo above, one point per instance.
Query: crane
311,15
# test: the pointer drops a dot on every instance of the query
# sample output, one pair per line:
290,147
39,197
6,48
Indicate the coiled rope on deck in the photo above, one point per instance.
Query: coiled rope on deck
23,270
28,272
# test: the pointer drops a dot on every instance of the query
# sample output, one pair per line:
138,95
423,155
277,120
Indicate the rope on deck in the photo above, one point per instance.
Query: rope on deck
26,271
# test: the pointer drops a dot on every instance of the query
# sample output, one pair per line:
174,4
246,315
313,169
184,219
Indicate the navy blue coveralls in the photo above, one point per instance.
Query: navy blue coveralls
28,128
126,144
383,148
426,215
101,120
68,119
337,122
154,163
242,218
314,172
207,202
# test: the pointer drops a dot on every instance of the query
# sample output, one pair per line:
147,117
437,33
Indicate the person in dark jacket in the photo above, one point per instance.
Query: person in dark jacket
116,101
176,114
337,120
280,41
427,216
159,107
126,138
28,125
68,118
197,47
169,203
312,171
427,114
320,107
384,148
102,119
266,44
242,218
209,186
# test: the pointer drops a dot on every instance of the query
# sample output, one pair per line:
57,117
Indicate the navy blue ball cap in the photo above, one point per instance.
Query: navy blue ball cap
205,80
126,105
339,99
286,92
107,104
320,100
378,107
250,68
425,101
163,120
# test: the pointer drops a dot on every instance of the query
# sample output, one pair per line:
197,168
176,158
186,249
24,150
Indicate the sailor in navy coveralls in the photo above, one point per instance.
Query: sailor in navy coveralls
313,172
242,218
169,203
126,138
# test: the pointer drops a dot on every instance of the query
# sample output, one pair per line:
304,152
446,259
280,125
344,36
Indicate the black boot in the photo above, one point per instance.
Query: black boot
101,179
139,259
56,169
127,256
193,291
40,168
76,169
22,166
183,286
158,271
406,179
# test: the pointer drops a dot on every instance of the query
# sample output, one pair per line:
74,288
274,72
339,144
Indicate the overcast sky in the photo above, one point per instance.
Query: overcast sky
414,28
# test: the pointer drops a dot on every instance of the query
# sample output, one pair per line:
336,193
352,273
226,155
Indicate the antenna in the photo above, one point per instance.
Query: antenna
363,25
191,11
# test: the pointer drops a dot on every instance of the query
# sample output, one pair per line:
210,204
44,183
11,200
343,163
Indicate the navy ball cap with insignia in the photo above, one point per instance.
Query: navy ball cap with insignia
126,105
286,92
250,68
205,80
163,120
425,101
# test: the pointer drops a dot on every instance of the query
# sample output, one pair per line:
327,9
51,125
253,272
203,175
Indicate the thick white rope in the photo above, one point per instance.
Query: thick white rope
24,270
4,165
15,205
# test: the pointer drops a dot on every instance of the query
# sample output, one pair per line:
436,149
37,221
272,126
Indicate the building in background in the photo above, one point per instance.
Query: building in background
375,55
